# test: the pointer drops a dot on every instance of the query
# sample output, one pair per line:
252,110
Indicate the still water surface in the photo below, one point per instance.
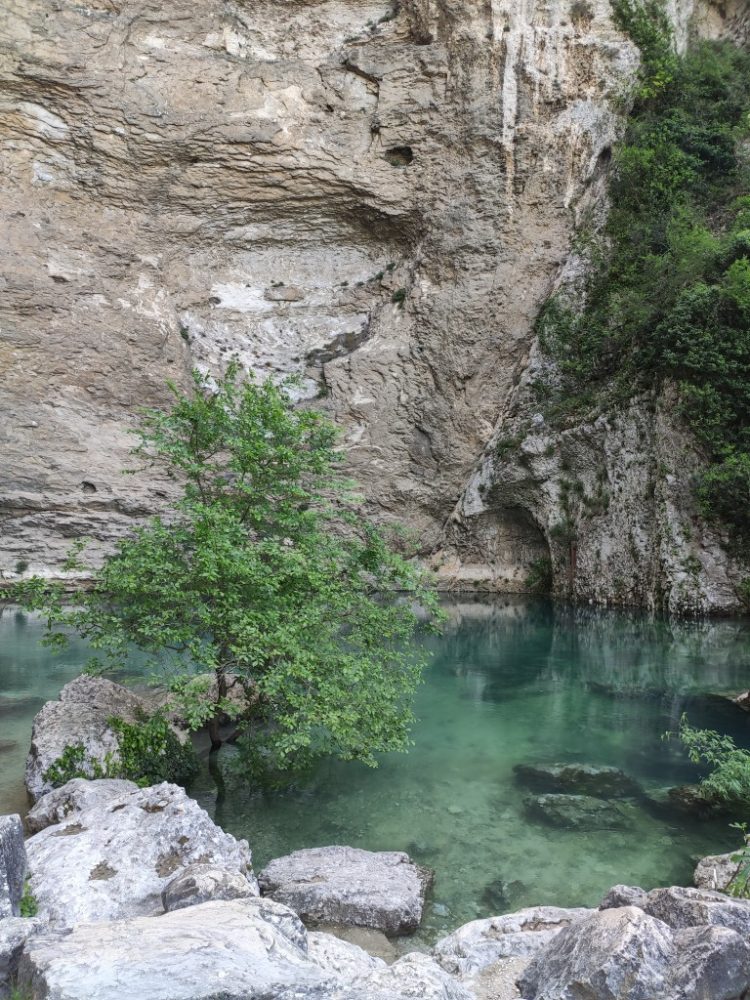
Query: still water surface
512,681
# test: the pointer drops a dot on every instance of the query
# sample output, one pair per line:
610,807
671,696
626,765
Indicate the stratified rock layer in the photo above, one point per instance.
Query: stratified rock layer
378,196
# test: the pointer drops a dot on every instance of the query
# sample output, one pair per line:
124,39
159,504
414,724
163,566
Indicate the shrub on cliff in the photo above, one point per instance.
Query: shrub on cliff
262,594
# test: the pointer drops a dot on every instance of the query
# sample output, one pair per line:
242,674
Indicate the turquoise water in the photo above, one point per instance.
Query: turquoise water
512,681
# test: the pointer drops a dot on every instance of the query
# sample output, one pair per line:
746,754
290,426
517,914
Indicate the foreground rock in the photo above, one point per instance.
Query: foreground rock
75,797
715,872
206,883
345,885
677,944
114,854
578,779
12,865
79,717
481,943
579,812
250,949
14,932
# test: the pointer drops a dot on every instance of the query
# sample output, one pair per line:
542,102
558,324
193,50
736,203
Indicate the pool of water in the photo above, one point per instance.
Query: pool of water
512,681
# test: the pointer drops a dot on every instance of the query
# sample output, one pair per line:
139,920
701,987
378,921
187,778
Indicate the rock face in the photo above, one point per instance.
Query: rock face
206,883
673,944
113,857
379,196
75,797
578,779
344,885
12,865
482,943
620,954
715,872
249,949
14,932
80,716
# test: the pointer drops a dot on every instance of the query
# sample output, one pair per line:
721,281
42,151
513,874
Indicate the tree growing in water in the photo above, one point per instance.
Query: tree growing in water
263,593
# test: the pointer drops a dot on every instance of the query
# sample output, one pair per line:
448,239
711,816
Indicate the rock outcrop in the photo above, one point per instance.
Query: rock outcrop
249,949
377,195
344,885
206,883
81,716
12,865
113,857
715,872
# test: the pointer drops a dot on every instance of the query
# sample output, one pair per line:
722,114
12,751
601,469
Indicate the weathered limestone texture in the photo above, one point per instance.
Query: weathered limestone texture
376,195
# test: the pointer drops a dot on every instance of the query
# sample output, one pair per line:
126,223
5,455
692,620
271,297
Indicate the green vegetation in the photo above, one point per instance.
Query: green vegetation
728,783
148,752
399,297
264,581
29,906
667,296
539,580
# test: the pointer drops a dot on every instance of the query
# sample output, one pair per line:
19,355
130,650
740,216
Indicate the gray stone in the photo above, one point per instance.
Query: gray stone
229,949
580,812
711,963
204,883
715,871
113,858
14,932
74,797
578,779
345,885
621,954
681,907
80,716
12,865
623,895
481,943
246,949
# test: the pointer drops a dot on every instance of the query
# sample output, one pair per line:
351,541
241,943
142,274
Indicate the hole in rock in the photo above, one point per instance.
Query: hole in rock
399,156
88,487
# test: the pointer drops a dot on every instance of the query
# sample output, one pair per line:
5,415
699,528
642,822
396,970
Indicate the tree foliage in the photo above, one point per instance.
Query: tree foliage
263,595
667,297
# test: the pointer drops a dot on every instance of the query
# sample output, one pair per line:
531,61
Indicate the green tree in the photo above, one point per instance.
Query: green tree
263,594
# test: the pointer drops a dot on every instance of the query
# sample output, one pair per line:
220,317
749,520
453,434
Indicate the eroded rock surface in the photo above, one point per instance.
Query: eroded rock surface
12,865
114,857
384,890
75,796
80,716
378,196
206,883
14,932
715,871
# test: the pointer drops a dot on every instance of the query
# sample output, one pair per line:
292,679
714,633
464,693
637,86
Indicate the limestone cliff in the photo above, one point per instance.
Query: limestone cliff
377,195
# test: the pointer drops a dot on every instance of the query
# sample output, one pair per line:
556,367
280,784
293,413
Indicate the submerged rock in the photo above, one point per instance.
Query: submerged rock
620,954
205,883
715,872
81,716
481,943
114,857
580,812
345,885
12,865
578,779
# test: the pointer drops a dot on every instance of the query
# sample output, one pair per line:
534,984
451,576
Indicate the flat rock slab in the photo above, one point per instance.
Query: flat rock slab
114,857
345,885
248,949
479,944
578,779
12,865
80,716
75,797
580,812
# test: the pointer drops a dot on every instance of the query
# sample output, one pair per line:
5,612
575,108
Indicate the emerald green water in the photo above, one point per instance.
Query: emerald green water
512,681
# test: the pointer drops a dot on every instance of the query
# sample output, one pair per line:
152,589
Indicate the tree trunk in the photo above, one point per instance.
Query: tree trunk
215,722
